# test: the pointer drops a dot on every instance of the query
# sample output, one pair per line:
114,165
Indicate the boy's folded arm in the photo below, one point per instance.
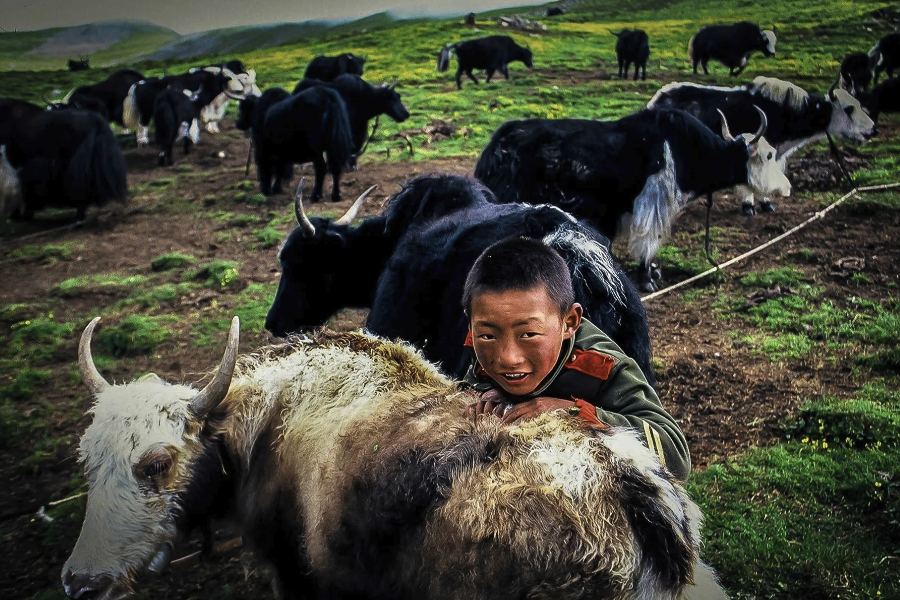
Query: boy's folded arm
627,400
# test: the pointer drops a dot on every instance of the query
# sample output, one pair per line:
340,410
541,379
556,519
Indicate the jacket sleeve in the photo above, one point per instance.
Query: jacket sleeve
627,400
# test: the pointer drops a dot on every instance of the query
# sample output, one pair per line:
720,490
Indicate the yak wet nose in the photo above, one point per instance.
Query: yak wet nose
85,587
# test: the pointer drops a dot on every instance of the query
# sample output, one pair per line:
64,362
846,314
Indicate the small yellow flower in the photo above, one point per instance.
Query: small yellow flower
805,440
824,445
877,484
879,445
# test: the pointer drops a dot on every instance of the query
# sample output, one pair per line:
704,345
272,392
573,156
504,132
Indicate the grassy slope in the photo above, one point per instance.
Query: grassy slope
800,520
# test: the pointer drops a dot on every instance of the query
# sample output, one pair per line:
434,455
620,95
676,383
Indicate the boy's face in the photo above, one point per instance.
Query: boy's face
518,335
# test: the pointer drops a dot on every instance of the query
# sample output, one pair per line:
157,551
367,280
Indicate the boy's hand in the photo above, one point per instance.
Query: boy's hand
533,408
492,402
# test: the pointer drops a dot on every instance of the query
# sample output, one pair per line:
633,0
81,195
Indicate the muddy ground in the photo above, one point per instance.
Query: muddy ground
726,396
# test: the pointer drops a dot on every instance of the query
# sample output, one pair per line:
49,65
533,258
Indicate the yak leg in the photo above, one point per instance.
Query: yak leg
459,73
747,201
278,175
335,180
320,170
187,145
705,67
142,135
648,276
472,77
637,70
264,170
505,70
696,62
80,213
620,61
489,73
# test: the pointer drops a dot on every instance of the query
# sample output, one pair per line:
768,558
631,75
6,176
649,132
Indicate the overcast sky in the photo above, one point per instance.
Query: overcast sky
186,16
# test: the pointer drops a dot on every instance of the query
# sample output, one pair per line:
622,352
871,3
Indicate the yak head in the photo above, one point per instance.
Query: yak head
246,110
527,57
764,174
848,119
141,455
321,270
390,99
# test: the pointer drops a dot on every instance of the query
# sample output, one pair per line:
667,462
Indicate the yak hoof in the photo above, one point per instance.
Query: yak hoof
766,206
655,272
315,198
748,209
337,198
648,286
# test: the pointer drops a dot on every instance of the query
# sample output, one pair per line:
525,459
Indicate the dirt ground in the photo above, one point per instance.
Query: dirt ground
726,397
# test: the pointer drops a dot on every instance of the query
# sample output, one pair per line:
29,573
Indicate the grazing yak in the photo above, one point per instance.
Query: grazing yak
288,129
210,83
328,68
68,159
630,177
884,98
795,118
10,189
731,45
364,102
492,53
885,55
632,46
241,81
856,72
346,464
409,266
175,114
82,64
106,97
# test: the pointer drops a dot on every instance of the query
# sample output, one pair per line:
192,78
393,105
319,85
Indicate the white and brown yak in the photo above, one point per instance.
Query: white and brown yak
346,463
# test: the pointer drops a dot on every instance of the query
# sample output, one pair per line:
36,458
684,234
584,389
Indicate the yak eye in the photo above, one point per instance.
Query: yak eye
157,468
849,111
769,157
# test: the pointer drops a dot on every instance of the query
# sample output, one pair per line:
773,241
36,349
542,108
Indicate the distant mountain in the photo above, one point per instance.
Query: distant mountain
94,37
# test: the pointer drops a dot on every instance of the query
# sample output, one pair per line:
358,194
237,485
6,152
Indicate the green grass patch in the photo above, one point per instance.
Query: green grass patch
267,237
245,185
787,346
35,340
77,286
134,335
162,183
818,516
784,276
25,383
244,220
173,260
218,273
252,305
47,254
161,294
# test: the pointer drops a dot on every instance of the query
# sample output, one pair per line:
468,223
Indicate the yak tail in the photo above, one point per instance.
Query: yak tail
614,33
691,47
131,114
706,585
444,57
96,173
340,143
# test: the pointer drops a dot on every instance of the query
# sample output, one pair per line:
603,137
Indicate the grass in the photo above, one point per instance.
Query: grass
172,260
47,254
817,516
134,335
252,306
217,273
77,286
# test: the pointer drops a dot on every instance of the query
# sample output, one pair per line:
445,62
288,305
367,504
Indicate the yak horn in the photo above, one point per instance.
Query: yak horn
238,97
764,124
89,373
309,230
215,391
725,133
393,85
354,210
831,89
46,101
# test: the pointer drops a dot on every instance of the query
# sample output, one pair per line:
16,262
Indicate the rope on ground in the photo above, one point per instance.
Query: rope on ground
41,511
736,259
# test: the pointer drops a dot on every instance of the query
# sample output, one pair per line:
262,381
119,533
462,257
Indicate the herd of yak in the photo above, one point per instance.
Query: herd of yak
343,458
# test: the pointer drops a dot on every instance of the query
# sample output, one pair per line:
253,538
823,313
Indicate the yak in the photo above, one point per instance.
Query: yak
630,177
175,114
492,53
409,264
632,46
884,98
885,56
106,97
67,158
328,68
730,44
346,464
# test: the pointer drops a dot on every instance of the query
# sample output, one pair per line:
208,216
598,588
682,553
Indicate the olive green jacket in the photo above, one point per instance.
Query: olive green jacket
593,368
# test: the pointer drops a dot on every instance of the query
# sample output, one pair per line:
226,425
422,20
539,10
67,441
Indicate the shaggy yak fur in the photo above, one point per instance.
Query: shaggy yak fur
347,464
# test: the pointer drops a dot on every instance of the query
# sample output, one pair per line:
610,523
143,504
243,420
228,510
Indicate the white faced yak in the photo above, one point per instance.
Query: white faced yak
346,463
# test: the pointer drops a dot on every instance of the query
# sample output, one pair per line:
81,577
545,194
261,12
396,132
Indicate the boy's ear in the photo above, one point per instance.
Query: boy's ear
572,320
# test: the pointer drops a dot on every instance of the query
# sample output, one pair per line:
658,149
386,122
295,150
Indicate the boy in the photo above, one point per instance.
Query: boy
534,350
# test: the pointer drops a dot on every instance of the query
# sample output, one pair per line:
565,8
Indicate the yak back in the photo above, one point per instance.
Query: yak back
488,52
13,112
431,262
633,43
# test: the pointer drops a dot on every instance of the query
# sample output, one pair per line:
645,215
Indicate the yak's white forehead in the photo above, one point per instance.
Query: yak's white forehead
130,419
845,99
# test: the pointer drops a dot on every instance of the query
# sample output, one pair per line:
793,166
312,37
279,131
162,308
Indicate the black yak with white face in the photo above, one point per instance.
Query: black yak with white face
346,464
884,98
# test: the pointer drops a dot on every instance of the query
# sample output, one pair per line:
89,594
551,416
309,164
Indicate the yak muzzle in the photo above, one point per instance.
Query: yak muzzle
92,587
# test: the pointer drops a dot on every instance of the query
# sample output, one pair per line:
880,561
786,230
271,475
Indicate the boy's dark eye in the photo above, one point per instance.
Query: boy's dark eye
530,334
485,336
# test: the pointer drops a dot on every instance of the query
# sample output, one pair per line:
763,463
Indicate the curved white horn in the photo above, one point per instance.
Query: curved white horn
89,373
215,391
764,124
234,96
354,210
309,230
725,133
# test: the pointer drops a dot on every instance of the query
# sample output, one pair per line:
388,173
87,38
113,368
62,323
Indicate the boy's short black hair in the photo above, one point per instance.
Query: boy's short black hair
520,264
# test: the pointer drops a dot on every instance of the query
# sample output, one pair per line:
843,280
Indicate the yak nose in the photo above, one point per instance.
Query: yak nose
85,587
